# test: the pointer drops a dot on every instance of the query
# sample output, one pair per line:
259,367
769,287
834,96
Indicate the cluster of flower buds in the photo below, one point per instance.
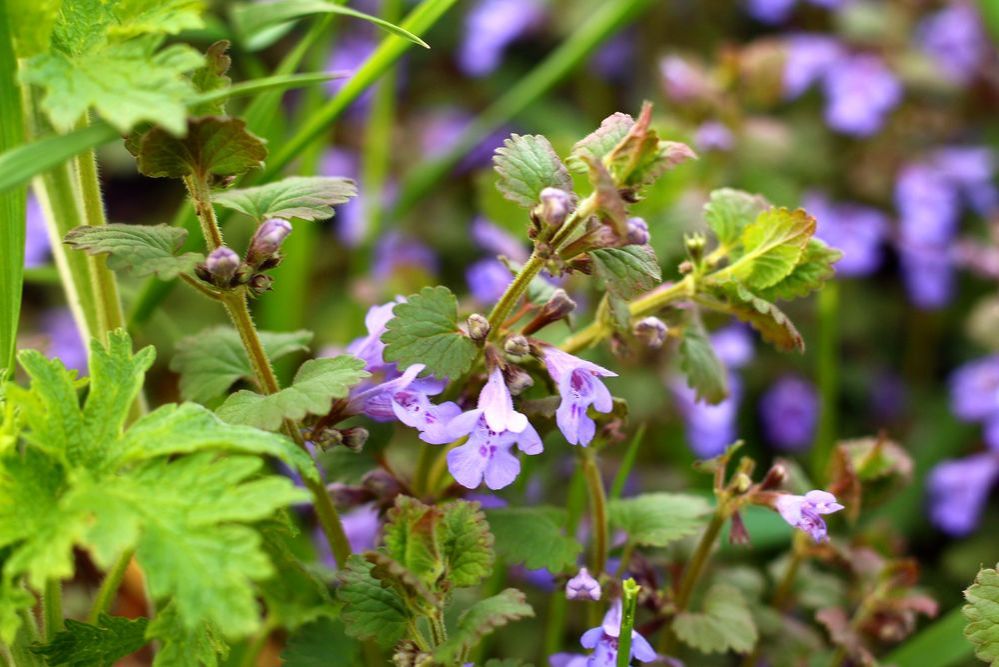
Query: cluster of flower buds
352,438
223,268
556,205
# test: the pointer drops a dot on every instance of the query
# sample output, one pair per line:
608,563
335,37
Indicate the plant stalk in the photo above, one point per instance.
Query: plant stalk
109,587
52,608
598,510
628,604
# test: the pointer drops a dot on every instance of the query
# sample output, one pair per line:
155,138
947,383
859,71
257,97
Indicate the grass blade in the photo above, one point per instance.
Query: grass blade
19,165
267,84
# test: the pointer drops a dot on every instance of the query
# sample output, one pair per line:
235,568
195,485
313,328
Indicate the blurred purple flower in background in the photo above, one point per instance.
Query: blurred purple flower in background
713,136
498,241
958,490
396,252
349,52
789,411
487,280
615,60
64,341
860,93
858,231
36,240
443,129
491,26
954,39
349,222
734,345
969,170
362,525
809,57
683,81
778,11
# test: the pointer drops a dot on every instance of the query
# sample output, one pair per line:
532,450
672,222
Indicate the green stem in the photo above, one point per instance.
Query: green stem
828,372
628,604
424,464
109,587
252,653
201,197
12,202
627,463
598,510
52,608
501,311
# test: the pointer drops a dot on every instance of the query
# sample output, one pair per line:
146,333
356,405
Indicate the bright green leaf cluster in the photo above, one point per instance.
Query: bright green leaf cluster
534,536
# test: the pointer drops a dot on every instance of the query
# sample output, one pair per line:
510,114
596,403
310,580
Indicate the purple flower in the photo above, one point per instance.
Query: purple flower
928,273
395,252
604,641
615,60
362,525
413,408
370,348
928,205
860,92
582,587
442,131
805,512
497,241
974,390
954,39
487,280
809,57
789,411
970,170
958,490
491,26
36,240
733,345
858,231
770,11
376,400
352,48
580,387
709,428
350,220
65,342
493,428
713,135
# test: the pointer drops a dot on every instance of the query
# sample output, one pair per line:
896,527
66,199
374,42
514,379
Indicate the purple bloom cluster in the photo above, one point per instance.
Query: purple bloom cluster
858,231
603,640
805,512
37,246
859,88
958,490
955,40
778,11
789,411
491,26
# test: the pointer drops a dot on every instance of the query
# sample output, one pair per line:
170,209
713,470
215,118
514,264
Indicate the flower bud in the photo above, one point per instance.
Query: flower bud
651,331
555,206
582,587
517,346
738,534
517,380
267,240
638,231
775,478
382,485
260,283
222,264
742,482
695,246
354,438
558,306
478,328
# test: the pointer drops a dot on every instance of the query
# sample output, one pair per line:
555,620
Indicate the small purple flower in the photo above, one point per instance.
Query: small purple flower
491,26
709,428
376,400
414,409
713,135
974,390
65,342
604,641
954,39
580,387
805,512
497,241
958,490
37,246
734,345
487,280
582,587
809,57
370,348
928,205
267,240
928,274
858,231
395,252
860,92
351,224
789,411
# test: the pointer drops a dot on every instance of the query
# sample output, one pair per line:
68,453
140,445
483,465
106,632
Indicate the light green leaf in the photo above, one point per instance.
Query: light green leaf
32,23
254,18
726,624
814,269
19,165
101,645
729,212
466,544
412,536
143,249
658,519
533,536
127,83
705,373
181,646
317,384
213,145
302,197
137,17
599,143
211,78
982,614
370,611
527,165
425,331
774,326
482,619
15,600
629,271
212,360
772,245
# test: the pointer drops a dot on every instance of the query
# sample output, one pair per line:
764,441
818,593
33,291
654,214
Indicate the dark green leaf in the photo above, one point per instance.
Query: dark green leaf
213,145
303,197
481,619
705,373
142,249
533,536
657,519
181,646
726,623
527,165
211,77
83,645
370,610
425,331
629,271
413,535
313,644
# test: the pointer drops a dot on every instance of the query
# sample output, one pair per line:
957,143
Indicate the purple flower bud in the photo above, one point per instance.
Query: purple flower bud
354,438
789,411
517,380
560,305
555,206
260,283
582,587
638,231
478,327
222,264
267,240
804,512
518,346
733,345
651,331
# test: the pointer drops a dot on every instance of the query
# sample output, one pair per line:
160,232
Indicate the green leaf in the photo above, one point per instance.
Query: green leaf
370,611
599,143
482,619
253,19
658,519
533,536
466,544
211,77
814,269
527,165
412,536
425,331
212,360
610,205
127,83
18,165
213,145
13,217
136,17
296,595
772,245
313,644
705,373
417,594
32,22
83,645
729,212
302,197
641,157
15,600
629,271
982,613
181,646
316,385
775,327
143,249
726,624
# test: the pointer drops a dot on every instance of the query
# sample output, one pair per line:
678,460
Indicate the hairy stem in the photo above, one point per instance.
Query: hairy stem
201,197
598,510
109,587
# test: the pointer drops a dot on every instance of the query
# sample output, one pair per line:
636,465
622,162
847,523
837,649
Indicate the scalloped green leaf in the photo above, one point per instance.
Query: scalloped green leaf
629,271
425,330
658,519
726,624
482,619
705,373
809,275
302,197
370,611
772,245
774,326
212,145
982,614
466,543
100,645
142,249
729,211
526,166
533,536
